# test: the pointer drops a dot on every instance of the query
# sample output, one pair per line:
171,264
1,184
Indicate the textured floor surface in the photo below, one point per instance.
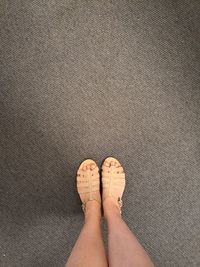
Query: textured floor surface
83,79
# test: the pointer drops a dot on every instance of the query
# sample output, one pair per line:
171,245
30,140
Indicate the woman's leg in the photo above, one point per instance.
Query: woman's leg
124,250
89,249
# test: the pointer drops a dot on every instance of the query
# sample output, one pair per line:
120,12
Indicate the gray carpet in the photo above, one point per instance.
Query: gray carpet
83,79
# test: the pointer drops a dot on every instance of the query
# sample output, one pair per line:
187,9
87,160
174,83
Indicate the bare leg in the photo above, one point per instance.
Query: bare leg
89,248
124,250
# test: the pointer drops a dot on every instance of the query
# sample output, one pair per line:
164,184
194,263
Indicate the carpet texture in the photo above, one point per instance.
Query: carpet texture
89,79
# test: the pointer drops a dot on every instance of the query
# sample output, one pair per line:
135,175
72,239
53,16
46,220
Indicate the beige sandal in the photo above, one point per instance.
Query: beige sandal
113,180
88,182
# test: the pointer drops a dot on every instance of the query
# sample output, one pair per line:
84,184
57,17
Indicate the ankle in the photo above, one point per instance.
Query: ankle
93,211
111,208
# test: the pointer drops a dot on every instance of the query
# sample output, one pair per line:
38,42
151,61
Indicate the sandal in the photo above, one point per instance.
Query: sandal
113,180
88,182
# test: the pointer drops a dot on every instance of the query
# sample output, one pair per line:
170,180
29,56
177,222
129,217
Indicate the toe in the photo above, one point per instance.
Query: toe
84,168
95,171
118,164
112,163
92,166
88,167
106,163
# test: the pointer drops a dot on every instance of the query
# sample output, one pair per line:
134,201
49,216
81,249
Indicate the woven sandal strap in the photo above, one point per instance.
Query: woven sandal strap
88,184
113,175
109,183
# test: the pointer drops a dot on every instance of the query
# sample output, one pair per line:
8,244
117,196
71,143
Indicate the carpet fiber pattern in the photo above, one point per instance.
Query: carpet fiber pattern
89,79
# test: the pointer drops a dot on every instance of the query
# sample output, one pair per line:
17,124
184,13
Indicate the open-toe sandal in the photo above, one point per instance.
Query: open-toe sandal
113,180
88,182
